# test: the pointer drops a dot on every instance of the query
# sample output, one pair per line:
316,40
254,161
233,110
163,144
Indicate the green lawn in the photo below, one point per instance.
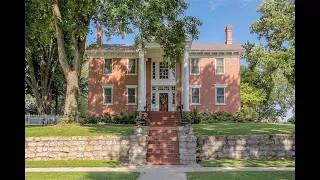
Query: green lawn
73,163
249,163
81,175
80,130
242,129
242,175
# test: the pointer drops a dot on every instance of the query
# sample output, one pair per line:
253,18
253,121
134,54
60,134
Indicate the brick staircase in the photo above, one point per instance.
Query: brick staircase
163,143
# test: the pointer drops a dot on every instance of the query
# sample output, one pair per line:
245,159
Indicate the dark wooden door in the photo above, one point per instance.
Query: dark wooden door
163,101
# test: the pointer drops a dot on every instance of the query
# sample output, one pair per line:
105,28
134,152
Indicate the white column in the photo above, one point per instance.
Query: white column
185,80
141,82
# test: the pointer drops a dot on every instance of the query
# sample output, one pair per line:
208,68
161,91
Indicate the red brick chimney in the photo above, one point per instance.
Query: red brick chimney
99,35
229,34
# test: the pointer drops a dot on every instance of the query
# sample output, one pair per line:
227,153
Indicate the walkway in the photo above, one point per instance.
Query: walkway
160,172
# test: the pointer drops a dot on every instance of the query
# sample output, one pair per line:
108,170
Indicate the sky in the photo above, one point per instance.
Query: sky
215,16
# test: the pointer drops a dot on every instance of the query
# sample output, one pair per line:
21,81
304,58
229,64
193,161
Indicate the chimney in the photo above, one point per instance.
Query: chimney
229,34
99,35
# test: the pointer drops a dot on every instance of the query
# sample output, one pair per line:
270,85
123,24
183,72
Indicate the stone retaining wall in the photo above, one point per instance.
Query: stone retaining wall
128,148
246,147
187,145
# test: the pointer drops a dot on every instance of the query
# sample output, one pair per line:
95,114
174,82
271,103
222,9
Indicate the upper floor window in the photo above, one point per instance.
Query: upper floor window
195,94
132,66
220,94
108,95
163,70
220,66
107,69
194,66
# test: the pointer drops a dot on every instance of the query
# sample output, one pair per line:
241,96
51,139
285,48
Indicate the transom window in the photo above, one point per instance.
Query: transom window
220,94
194,66
107,66
131,94
163,70
132,66
220,66
195,94
107,94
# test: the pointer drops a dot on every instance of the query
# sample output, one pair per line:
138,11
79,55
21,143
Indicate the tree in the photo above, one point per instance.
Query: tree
163,21
40,52
276,60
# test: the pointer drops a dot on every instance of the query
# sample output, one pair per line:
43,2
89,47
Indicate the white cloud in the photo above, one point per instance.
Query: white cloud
244,3
214,3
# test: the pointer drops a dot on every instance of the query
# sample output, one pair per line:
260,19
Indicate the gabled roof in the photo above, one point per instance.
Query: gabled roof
194,47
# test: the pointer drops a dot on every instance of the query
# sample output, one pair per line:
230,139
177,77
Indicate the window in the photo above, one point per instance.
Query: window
107,66
173,98
132,66
153,98
163,70
195,94
131,95
108,94
220,94
153,70
220,66
194,66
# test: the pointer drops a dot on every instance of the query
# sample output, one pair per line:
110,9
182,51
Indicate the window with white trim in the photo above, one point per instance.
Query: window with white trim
131,94
163,70
107,94
132,66
194,66
195,94
220,94
220,66
107,69
153,101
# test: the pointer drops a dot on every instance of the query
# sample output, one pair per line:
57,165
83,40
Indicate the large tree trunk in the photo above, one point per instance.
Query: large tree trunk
71,105
71,72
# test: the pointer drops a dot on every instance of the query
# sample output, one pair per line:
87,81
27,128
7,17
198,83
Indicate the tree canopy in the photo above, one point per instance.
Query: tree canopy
163,21
273,63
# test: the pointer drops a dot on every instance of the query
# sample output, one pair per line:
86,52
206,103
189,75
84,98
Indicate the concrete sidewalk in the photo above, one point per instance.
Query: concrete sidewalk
161,172
159,169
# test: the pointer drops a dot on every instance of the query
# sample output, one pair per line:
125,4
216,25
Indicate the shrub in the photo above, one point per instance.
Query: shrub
222,116
292,120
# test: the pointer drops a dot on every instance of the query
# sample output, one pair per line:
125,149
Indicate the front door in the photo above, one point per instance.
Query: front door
163,97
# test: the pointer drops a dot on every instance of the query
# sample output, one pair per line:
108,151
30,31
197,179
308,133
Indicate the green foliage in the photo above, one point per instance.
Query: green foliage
243,116
163,21
121,118
250,96
271,67
292,120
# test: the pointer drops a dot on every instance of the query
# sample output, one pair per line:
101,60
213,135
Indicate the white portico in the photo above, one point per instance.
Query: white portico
163,96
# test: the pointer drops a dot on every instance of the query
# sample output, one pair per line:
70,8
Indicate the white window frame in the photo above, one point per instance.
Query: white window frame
135,71
224,66
195,86
190,62
224,86
104,62
104,87
127,94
